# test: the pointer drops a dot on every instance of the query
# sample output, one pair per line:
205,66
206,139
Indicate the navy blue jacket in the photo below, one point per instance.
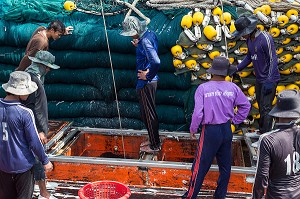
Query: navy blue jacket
262,53
147,57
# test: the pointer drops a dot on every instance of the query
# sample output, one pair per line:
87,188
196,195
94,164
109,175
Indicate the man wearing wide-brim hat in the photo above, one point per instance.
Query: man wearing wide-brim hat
41,64
278,167
262,53
215,101
19,140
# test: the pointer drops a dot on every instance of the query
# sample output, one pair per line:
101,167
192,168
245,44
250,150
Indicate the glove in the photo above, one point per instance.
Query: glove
267,88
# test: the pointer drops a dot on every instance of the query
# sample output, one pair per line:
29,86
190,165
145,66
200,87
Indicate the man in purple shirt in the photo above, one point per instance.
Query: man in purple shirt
214,111
262,53
19,140
278,162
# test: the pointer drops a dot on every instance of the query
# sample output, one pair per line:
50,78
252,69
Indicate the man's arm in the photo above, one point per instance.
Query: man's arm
269,50
243,106
152,57
262,172
197,116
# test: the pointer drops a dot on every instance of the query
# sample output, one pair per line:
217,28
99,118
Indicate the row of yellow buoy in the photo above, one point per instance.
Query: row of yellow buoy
283,26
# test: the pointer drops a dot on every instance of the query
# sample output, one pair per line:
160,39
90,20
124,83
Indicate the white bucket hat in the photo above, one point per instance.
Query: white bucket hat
45,58
20,83
133,26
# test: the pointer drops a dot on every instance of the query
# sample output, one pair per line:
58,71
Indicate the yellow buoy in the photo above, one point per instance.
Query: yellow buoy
260,26
210,32
285,72
197,18
225,17
186,21
191,64
292,86
217,11
286,40
251,90
206,65
232,128
214,54
232,26
267,9
296,68
279,88
177,63
279,50
292,29
274,32
69,5
286,58
176,50
244,73
291,12
282,20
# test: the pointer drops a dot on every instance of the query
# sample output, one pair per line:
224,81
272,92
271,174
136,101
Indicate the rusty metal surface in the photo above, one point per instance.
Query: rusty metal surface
98,154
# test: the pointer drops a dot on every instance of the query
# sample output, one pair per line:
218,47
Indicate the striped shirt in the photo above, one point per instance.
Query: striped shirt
262,53
19,139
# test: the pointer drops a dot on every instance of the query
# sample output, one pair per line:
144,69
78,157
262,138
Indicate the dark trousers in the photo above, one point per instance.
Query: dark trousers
265,105
214,141
16,186
146,96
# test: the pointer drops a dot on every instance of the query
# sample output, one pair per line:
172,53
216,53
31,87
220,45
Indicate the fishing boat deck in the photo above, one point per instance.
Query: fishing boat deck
82,155
69,190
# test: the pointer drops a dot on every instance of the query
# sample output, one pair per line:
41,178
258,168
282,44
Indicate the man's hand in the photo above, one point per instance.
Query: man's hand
43,137
142,74
232,72
48,167
135,42
69,30
193,136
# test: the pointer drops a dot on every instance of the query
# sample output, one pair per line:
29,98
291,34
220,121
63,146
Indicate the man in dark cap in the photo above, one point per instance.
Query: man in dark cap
278,162
262,53
147,65
213,113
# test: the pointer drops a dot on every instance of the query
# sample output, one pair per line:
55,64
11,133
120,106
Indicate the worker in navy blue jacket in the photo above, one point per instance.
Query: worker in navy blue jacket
19,140
262,53
147,65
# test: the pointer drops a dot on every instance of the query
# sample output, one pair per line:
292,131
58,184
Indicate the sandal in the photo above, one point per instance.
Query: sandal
146,143
148,149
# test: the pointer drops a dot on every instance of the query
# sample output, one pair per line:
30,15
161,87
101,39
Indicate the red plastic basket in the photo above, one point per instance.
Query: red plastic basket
104,190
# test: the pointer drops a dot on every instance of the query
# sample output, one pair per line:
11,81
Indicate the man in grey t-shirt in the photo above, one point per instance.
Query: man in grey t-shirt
278,163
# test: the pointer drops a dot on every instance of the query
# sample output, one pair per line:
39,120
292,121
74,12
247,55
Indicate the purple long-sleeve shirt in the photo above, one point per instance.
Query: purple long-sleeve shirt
215,102
262,53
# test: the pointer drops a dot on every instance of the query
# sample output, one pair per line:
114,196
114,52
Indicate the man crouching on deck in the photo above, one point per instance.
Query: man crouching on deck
214,111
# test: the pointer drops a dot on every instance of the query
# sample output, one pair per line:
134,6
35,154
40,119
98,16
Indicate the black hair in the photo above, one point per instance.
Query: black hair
57,25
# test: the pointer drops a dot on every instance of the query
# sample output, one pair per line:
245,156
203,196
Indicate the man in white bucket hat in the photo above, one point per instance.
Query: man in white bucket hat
41,64
19,139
